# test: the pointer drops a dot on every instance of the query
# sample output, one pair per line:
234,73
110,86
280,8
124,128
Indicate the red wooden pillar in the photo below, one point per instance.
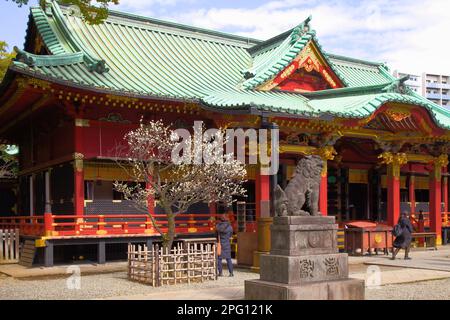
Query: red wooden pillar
263,218
393,193
323,193
78,191
78,185
412,193
435,201
412,202
262,190
326,153
445,193
48,224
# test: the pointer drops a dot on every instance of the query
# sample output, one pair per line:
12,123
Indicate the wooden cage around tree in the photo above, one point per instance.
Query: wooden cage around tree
187,262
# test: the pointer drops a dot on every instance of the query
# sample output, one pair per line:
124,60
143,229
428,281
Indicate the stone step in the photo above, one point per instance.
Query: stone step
348,289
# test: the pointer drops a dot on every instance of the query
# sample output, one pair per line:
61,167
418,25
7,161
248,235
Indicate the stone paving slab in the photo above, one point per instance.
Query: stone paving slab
429,260
399,275
18,271
419,254
221,293
436,264
390,276
116,285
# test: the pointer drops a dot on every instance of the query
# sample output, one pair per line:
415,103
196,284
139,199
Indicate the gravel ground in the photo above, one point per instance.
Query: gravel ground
116,284
424,290
102,286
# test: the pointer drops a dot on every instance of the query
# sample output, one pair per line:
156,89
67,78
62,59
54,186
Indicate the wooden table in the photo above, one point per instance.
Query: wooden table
427,235
365,239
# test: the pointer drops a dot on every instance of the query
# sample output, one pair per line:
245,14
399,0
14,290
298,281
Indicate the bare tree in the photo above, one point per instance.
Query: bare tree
177,173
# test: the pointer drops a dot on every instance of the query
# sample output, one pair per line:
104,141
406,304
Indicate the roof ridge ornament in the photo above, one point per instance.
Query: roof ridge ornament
98,66
74,11
300,30
247,74
24,57
46,6
94,63
32,60
398,86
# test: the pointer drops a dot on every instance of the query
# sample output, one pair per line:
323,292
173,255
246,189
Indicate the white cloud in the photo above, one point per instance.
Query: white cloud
144,4
411,35
151,8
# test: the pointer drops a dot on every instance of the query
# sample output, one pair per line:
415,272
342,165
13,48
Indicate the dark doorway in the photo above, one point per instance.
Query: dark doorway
7,201
357,201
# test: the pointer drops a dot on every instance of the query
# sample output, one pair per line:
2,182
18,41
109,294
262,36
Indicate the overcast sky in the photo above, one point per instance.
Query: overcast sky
410,35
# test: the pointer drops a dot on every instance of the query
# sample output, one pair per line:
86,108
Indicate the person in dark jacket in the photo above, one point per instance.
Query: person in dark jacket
225,232
403,241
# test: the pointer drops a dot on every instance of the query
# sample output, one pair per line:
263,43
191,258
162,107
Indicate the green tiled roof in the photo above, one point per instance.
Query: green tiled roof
261,100
274,55
149,60
52,42
361,106
138,56
359,74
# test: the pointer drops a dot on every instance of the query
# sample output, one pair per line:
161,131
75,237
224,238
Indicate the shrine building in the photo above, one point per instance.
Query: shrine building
75,89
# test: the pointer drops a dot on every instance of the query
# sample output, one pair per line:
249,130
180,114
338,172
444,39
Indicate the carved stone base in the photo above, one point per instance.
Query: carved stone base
303,269
304,263
348,289
297,236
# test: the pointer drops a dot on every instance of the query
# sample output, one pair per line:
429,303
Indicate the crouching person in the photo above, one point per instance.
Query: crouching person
403,236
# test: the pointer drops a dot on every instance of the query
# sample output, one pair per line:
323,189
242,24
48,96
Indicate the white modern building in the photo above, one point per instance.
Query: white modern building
435,87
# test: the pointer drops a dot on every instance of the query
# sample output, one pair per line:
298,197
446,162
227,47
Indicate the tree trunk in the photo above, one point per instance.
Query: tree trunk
171,229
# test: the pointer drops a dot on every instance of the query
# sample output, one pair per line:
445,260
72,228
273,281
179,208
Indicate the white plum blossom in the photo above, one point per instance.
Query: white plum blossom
147,157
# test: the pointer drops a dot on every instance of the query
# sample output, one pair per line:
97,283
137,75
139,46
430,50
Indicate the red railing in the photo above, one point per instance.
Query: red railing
32,226
99,225
446,219
91,225
426,220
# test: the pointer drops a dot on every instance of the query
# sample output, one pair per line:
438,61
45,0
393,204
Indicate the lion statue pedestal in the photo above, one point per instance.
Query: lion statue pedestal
304,261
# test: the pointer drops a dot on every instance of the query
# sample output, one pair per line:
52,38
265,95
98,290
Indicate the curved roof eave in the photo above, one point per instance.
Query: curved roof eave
71,84
381,99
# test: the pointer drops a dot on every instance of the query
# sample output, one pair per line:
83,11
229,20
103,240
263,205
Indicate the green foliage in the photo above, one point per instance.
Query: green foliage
92,11
5,58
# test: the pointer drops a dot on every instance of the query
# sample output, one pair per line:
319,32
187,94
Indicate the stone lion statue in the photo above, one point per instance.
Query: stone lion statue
303,188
